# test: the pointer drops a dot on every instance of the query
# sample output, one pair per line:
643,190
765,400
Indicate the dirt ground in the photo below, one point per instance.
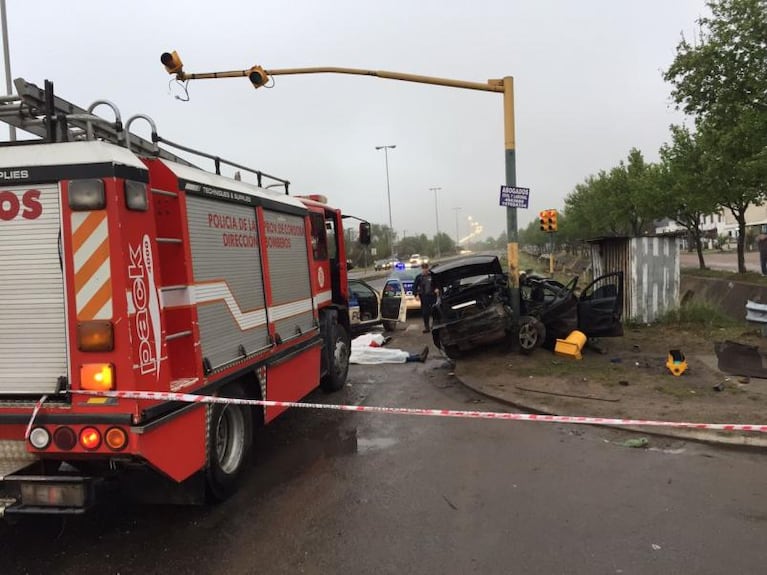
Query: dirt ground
628,378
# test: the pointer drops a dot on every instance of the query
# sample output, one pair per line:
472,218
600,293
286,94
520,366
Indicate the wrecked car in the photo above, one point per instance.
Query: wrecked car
474,307
596,311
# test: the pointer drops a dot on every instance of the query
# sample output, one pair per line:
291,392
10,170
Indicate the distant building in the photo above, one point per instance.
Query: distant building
712,226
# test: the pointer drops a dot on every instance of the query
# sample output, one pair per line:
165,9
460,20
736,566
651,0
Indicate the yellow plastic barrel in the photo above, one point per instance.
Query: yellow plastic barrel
572,345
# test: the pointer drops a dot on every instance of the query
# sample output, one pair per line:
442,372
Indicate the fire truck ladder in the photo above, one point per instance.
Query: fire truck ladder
41,113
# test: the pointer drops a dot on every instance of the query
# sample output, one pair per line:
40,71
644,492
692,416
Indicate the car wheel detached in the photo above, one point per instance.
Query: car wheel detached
532,333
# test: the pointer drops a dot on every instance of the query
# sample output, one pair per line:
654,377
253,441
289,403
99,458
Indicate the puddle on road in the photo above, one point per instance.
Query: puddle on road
373,443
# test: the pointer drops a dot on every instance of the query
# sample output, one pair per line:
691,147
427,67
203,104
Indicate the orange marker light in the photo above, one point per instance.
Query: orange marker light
97,376
95,336
115,438
90,437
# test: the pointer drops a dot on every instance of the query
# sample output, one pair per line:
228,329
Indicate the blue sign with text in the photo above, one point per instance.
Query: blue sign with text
513,197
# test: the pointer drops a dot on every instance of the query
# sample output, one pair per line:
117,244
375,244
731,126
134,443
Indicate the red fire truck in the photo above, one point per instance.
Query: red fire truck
125,267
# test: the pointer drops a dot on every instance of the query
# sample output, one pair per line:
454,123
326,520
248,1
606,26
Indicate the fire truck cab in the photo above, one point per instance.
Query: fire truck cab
128,269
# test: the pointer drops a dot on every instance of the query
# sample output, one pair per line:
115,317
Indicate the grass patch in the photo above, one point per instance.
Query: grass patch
675,391
697,314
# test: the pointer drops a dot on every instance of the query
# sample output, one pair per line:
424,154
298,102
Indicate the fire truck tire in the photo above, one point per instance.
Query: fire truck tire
230,433
340,348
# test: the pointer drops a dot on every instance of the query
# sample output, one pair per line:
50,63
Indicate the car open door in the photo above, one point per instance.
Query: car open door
600,306
393,306
364,307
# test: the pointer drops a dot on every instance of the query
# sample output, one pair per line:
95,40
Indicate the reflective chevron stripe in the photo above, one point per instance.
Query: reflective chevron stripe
93,281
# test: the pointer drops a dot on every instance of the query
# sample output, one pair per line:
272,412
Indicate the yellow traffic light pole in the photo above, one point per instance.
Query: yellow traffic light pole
259,76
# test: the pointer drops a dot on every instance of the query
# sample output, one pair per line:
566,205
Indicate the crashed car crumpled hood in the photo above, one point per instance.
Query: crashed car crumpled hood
447,273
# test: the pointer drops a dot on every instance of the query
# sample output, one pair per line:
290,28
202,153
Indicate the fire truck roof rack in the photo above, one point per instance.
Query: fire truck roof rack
41,113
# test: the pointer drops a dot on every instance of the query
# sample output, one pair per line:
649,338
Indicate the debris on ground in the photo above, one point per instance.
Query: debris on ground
740,359
636,442
719,386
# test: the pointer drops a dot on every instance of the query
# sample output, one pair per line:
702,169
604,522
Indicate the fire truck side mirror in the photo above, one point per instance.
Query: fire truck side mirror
364,234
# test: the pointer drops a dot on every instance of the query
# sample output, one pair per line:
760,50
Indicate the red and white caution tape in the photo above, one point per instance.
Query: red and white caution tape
191,398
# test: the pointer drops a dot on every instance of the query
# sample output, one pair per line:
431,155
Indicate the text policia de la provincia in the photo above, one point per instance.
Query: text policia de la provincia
240,232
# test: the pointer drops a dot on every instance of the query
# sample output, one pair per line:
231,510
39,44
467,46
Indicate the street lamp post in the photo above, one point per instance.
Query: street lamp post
388,192
436,214
7,61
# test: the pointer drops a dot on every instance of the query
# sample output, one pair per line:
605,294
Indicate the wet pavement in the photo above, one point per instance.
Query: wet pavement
334,492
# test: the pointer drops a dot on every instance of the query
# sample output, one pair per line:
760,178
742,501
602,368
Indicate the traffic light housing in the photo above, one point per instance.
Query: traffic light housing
257,76
172,62
548,220
552,220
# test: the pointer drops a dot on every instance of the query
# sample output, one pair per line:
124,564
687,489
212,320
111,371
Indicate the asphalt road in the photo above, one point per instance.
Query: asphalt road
335,492
726,261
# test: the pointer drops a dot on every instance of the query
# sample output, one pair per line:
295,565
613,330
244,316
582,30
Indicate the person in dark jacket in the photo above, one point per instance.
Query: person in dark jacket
761,243
424,290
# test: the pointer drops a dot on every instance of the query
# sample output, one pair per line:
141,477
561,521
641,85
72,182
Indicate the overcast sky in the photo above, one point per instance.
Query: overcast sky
587,76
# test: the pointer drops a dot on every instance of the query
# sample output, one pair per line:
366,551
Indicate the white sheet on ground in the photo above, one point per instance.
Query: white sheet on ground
366,351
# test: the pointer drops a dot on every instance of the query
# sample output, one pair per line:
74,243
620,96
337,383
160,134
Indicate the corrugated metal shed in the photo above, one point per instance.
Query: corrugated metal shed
651,273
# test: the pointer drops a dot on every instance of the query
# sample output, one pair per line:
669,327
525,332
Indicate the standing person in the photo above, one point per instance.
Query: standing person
423,289
761,242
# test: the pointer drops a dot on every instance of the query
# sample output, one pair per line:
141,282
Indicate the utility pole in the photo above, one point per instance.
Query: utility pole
258,77
388,194
436,213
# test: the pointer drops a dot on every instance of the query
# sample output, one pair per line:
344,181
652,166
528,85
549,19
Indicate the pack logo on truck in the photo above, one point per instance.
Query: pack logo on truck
28,205
147,305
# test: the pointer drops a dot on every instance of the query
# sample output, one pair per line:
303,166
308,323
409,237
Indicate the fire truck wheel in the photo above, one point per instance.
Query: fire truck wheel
230,433
339,360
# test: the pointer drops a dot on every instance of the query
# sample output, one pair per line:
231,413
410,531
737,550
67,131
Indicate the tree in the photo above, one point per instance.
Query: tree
618,202
721,80
445,243
686,194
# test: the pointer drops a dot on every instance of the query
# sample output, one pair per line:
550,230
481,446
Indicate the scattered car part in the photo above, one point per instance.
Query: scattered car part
572,345
676,363
740,359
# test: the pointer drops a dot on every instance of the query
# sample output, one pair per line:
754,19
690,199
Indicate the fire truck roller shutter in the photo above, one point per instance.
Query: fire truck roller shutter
291,308
33,353
229,293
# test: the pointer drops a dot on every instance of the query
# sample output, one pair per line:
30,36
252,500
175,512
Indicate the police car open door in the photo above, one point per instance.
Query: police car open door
393,307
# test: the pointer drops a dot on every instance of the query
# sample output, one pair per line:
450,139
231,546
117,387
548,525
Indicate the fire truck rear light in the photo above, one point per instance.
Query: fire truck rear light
97,376
90,437
87,195
116,438
53,494
95,336
64,438
39,438
136,196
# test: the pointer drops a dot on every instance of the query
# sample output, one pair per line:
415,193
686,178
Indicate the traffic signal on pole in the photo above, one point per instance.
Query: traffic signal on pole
172,62
548,220
258,76
552,220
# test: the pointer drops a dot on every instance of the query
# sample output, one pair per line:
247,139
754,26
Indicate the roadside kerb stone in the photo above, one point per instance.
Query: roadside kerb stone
734,439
